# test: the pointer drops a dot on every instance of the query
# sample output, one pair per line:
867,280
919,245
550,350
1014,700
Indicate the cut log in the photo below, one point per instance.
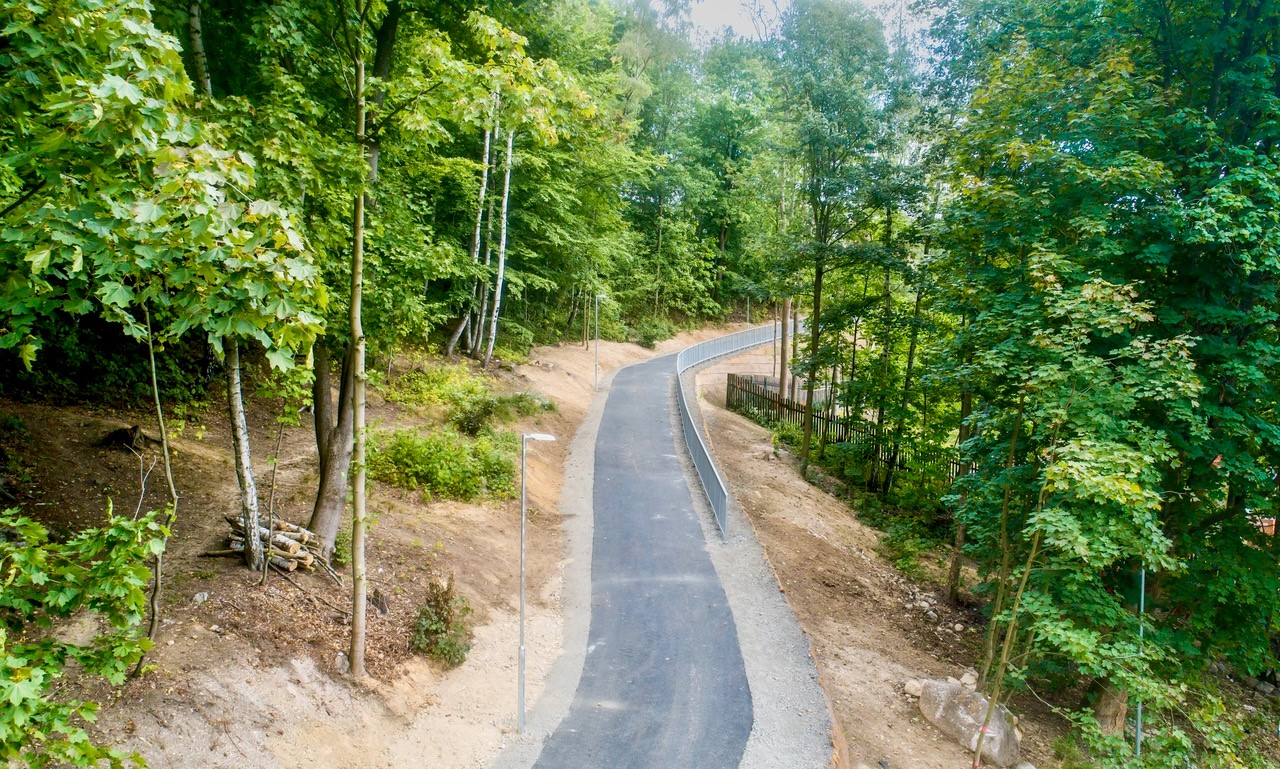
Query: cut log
285,564
278,539
291,530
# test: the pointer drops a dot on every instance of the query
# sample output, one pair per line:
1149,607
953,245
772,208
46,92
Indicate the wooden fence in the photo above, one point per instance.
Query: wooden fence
758,396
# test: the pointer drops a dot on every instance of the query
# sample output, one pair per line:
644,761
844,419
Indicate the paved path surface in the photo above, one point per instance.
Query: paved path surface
663,685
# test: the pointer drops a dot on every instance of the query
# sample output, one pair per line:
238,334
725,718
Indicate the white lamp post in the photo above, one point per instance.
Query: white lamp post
524,442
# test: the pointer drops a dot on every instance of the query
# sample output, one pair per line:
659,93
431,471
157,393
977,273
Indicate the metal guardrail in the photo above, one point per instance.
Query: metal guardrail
712,482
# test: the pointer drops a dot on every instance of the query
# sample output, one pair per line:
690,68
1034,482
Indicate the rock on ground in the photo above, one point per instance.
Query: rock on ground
960,713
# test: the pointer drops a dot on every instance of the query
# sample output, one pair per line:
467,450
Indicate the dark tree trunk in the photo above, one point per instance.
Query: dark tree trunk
334,439
786,340
815,326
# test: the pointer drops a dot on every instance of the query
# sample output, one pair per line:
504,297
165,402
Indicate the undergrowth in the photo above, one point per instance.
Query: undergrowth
910,529
447,463
469,404
442,629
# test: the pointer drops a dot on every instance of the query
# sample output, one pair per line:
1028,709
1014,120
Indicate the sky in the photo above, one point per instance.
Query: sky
710,15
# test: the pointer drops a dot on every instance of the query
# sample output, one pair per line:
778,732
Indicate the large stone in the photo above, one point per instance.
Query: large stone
960,713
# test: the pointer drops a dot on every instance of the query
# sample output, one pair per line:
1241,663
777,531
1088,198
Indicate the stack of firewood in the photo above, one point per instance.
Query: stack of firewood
289,545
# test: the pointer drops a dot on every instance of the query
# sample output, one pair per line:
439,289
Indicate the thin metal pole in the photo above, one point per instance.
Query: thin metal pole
748,311
597,343
524,442
1142,610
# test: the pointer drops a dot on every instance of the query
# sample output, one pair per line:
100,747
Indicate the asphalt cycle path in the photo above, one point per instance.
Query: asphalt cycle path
663,684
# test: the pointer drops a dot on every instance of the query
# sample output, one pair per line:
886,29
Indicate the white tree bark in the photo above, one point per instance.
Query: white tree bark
244,462
502,251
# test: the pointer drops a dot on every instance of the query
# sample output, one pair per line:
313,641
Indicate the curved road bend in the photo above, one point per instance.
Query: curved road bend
663,685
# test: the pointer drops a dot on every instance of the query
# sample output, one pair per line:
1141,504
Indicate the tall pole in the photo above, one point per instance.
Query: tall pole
748,311
524,443
597,342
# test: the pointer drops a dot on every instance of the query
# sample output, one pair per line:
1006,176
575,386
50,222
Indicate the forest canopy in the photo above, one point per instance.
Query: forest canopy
1036,243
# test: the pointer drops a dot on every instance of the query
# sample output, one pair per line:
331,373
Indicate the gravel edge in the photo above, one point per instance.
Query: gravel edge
521,751
792,727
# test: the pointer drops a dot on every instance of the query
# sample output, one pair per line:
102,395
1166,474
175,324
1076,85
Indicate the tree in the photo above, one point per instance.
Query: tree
1115,170
831,57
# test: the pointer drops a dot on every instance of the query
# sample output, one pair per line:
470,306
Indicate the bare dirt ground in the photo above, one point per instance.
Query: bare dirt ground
248,675
869,626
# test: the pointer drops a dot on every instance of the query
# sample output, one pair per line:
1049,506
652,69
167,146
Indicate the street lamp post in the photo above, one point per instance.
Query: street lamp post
524,442
598,298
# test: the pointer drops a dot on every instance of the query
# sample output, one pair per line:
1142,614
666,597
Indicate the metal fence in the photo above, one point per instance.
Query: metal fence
712,482
758,397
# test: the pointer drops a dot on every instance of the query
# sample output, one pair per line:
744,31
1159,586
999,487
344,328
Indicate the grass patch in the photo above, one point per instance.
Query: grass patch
469,405
447,463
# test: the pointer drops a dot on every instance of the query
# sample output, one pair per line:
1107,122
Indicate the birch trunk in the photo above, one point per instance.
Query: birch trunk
502,250
475,237
199,61
244,462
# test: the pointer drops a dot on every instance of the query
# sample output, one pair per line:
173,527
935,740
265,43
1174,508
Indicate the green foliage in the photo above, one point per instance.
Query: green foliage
103,571
649,331
436,386
447,464
786,433
442,629
128,205
469,404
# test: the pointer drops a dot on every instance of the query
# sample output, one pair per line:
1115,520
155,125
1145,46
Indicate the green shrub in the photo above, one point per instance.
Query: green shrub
435,386
650,331
787,433
471,413
470,406
442,629
446,463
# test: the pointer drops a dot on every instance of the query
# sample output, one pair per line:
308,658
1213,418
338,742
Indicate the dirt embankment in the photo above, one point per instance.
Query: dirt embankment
250,676
871,629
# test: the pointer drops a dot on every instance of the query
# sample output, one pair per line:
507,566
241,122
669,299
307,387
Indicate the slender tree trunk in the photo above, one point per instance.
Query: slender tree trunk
815,325
452,346
253,551
334,439
502,251
358,585
244,464
965,432
199,61
900,422
795,342
882,398
157,568
786,340
477,323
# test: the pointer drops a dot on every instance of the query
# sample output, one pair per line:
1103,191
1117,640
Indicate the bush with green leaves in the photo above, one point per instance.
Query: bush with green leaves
650,331
470,406
447,463
442,629
103,571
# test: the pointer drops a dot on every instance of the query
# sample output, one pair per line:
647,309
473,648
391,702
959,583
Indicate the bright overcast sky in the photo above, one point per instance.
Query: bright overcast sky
710,15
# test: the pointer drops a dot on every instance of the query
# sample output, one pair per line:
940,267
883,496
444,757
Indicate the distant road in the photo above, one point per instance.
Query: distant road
663,685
